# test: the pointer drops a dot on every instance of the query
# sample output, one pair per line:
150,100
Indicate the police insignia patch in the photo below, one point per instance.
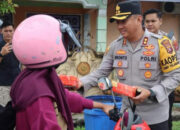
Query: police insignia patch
149,47
168,46
121,73
121,52
147,65
148,53
147,74
168,56
120,63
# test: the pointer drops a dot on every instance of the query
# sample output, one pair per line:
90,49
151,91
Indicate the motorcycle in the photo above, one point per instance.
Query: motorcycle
126,120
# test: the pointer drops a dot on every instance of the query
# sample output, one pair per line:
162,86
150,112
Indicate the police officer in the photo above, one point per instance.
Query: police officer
153,22
141,59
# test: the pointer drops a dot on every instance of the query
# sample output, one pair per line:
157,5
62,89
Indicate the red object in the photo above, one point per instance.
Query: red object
117,126
124,89
70,81
143,126
101,86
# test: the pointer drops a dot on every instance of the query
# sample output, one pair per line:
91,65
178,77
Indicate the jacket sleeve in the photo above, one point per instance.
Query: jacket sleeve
170,68
77,103
104,69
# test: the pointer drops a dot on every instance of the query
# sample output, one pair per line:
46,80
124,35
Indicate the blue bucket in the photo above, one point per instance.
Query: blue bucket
96,119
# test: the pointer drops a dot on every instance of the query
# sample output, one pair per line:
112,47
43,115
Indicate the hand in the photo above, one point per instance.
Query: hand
106,108
6,49
80,84
145,93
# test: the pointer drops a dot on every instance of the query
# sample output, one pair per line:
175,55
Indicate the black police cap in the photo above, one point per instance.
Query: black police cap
125,9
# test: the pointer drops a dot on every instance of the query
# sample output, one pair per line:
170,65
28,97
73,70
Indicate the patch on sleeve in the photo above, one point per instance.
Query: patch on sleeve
168,57
166,43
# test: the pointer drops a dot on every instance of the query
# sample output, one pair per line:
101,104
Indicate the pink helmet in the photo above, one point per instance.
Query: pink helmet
37,42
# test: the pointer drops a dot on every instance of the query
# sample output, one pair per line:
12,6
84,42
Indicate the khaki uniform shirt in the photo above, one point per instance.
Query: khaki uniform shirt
152,65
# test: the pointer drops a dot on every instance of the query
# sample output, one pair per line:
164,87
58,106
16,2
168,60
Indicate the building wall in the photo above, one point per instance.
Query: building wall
22,11
170,21
93,19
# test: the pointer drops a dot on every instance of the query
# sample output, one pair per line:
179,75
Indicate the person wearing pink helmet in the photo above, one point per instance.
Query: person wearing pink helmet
38,44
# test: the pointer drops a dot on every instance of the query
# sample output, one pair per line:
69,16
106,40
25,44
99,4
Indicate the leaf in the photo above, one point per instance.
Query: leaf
15,5
7,6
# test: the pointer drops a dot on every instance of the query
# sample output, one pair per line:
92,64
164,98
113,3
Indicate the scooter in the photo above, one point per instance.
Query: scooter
127,120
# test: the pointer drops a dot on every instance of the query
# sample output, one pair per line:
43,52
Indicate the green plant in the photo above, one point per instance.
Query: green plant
176,125
7,6
79,128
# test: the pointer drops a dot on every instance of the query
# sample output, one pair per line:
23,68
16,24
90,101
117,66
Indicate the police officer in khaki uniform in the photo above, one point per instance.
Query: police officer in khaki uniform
141,59
153,21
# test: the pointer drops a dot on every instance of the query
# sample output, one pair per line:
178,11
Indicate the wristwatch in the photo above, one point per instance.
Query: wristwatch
152,95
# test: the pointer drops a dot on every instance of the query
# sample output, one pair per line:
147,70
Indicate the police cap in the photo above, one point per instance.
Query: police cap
125,9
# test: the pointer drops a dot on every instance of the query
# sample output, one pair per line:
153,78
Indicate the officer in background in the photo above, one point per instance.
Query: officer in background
153,22
140,59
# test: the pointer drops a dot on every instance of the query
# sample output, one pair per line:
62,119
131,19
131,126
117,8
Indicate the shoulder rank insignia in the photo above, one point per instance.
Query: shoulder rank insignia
124,42
145,41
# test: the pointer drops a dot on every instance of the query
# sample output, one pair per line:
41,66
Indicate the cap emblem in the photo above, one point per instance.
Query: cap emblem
118,12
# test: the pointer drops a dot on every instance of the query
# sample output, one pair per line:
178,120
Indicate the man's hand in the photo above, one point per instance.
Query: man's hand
144,94
80,84
6,49
71,82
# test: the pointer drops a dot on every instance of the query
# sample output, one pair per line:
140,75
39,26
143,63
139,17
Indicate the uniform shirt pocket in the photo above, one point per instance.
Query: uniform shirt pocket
121,67
148,70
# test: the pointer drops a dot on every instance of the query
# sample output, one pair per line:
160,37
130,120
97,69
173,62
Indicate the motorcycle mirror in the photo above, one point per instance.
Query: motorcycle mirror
66,28
104,83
